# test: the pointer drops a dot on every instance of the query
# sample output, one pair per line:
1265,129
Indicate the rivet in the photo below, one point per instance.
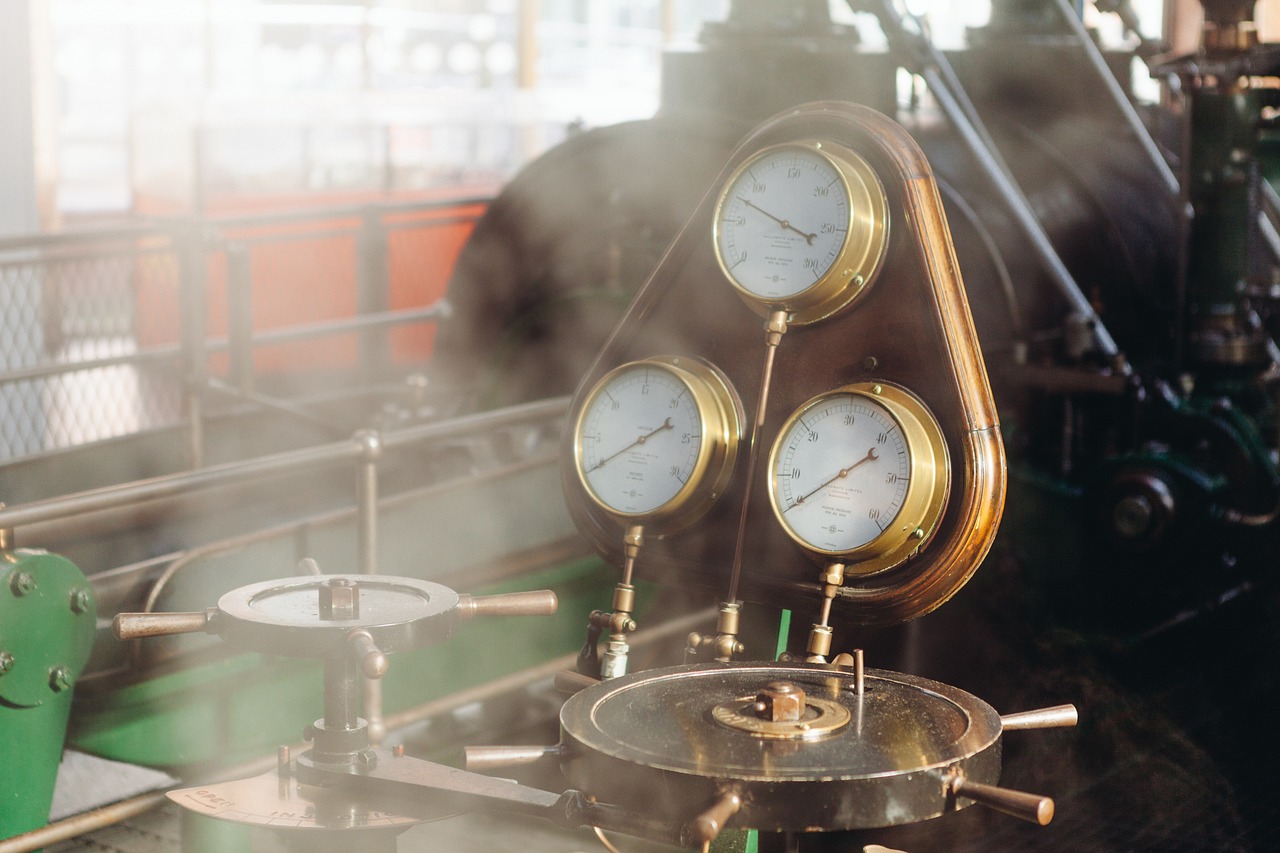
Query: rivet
59,679
21,583
80,600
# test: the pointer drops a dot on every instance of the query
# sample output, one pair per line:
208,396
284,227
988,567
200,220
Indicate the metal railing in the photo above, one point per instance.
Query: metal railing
110,332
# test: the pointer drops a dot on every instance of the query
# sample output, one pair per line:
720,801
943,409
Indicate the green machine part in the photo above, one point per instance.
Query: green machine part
47,617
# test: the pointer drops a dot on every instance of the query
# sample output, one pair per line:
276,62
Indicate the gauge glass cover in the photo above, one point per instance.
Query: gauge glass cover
861,473
841,474
802,227
652,437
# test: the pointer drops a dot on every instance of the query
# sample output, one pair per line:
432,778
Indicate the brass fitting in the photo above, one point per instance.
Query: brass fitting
780,701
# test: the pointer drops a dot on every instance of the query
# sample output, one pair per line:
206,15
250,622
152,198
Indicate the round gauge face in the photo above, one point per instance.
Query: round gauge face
841,473
801,226
860,473
651,436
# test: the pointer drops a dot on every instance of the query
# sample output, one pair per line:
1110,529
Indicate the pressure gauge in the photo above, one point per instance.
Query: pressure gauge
655,441
860,474
802,227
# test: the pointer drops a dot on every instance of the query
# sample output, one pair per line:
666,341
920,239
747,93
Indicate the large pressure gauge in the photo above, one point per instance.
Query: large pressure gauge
655,441
802,227
861,475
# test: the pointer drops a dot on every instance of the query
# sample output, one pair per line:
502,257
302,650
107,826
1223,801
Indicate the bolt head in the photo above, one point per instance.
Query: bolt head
81,600
339,599
6,662
21,583
59,679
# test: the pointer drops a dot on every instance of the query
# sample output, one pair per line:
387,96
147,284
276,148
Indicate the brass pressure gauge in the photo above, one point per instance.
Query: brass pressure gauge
802,227
860,474
655,441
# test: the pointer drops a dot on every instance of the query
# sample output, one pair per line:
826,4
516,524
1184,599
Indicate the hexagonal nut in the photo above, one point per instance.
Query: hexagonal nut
339,599
781,701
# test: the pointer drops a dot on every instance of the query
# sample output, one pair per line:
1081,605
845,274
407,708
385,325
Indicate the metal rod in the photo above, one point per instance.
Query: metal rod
292,334
1059,716
481,758
538,602
80,824
775,327
1022,213
367,559
135,626
1122,102
193,285
240,314
367,501
173,485
948,91
26,374
283,406
341,676
1029,807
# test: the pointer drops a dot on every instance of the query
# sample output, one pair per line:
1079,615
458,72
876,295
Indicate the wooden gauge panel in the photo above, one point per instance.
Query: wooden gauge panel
911,331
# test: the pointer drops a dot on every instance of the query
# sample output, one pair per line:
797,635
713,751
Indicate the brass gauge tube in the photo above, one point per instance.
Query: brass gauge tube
775,327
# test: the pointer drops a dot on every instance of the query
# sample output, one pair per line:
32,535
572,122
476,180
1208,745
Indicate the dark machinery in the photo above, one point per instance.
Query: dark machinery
1119,261
1120,267
885,482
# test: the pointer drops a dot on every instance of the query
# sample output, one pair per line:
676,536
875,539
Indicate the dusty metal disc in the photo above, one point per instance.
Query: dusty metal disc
651,742
283,616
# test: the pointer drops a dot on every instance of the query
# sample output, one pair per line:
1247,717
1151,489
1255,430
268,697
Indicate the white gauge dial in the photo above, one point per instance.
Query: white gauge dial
860,473
656,438
801,226
843,473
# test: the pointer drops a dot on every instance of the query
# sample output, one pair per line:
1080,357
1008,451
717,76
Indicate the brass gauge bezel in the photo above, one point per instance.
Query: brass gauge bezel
860,256
721,417
928,484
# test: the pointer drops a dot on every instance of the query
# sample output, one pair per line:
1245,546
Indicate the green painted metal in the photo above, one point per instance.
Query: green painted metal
201,834
1223,144
736,841
47,616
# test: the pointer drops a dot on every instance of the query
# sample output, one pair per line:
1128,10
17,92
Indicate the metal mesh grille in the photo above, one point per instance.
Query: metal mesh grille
68,349
100,332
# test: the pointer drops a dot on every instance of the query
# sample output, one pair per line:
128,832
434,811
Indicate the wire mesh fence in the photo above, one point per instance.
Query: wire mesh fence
107,334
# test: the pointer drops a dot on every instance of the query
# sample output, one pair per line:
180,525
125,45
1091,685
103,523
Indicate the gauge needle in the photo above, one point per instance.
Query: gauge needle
844,472
786,224
641,440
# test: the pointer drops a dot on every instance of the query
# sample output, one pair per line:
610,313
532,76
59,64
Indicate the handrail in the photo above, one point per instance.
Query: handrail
231,473
152,226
